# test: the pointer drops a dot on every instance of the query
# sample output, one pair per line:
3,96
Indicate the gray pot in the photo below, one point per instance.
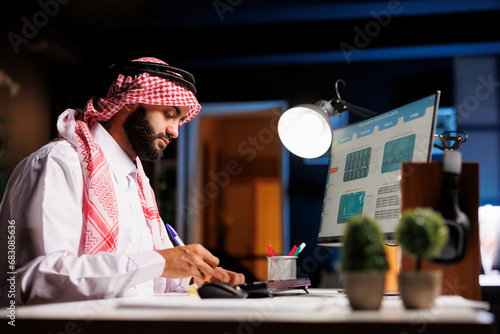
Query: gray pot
364,290
419,290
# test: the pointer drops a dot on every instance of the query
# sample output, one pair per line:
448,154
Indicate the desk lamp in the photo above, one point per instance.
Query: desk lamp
306,130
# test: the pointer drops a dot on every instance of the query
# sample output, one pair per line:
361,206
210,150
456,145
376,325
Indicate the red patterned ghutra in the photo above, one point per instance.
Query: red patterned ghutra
99,200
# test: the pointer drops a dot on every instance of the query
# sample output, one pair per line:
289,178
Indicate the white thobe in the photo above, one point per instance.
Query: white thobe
44,200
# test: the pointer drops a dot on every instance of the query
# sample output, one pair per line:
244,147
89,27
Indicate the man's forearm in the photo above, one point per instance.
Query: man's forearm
61,277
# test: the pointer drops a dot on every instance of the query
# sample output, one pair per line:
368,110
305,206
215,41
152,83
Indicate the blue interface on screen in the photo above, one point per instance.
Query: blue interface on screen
365,166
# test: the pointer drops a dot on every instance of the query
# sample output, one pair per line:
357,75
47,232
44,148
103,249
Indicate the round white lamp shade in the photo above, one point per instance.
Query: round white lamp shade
306,130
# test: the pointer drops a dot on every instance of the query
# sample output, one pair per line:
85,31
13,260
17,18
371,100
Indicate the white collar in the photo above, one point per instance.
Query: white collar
118,160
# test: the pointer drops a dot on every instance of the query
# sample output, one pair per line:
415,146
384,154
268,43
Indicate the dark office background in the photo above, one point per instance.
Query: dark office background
388,52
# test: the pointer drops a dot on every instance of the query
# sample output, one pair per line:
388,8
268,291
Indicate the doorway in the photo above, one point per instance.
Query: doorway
236,183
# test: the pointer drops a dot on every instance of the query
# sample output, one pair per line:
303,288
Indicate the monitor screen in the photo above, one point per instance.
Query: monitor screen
365,162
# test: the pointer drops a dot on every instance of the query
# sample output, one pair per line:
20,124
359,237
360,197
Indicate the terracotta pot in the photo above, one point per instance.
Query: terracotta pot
364,290
419,290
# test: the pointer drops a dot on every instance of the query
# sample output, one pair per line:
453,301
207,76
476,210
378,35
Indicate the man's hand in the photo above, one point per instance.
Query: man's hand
189,261
227,276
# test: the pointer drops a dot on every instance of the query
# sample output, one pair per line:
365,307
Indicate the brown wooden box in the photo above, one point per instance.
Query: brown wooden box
420,187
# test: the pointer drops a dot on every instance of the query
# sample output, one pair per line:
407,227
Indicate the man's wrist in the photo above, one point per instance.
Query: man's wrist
150,265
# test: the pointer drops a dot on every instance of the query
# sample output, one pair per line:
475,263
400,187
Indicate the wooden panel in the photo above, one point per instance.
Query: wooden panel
268,221
252,216
238,218
391,277
420,187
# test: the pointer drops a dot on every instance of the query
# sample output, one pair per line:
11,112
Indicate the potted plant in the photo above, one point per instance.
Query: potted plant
421,233
363,263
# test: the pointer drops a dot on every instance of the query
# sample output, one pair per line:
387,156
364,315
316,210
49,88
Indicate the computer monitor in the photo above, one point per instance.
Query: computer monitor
365,166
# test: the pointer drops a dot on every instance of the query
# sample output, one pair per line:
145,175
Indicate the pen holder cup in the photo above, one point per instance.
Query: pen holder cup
281,267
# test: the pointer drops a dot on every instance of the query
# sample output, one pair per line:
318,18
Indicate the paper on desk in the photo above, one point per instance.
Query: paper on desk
177,302
460,302
442,302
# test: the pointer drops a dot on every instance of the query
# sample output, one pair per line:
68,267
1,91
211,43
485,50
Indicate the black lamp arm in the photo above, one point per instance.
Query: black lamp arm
362,112
339,105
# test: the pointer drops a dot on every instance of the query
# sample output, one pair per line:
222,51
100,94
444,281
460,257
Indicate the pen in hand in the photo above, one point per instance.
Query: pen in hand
175,236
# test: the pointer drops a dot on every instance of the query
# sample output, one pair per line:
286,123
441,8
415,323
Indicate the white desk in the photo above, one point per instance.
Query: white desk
319,311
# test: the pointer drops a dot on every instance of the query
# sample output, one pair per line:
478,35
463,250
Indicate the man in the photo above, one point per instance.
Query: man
80,211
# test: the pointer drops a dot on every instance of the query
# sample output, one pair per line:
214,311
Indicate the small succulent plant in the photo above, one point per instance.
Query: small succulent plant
363,246
421,233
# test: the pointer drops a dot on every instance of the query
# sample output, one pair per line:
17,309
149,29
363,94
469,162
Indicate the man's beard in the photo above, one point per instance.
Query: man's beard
141,135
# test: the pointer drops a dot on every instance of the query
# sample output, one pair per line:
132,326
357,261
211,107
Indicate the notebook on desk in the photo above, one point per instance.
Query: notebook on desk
269,288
